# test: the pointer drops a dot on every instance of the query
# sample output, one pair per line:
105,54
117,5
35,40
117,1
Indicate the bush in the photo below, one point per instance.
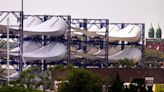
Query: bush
17,89
81,80
116,84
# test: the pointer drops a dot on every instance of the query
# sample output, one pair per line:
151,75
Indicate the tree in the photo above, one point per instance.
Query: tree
81,80
32,79
27,77
153,56
2,76
116,84
45,80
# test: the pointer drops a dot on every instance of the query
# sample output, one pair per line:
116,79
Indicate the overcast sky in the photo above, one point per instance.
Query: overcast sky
142,11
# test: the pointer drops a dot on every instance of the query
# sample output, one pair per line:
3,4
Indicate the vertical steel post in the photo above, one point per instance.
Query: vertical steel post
143,47
8,58
85,36
68,40
44,64
122,42
21,41
85,40
106,43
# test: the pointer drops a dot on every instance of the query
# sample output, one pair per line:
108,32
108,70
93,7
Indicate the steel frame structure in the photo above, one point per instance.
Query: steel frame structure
67,39
18,15
82,23
45,39
86,40
139,44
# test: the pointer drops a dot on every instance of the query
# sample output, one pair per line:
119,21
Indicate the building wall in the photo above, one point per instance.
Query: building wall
155,44
127,74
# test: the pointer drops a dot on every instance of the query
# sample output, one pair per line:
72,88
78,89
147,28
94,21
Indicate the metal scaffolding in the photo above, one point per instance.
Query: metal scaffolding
46,39
17,17
79,42
84,40
139,44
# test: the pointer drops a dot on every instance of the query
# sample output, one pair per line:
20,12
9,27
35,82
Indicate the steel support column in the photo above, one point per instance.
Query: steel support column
122,42
21,41
143,47
68,40
106,43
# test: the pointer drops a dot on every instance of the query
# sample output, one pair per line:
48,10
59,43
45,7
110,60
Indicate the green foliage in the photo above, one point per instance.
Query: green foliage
45,80
136,85
16,89
116,84
2,76
33,79
126,62
80,80
57,67
27,77
153,55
